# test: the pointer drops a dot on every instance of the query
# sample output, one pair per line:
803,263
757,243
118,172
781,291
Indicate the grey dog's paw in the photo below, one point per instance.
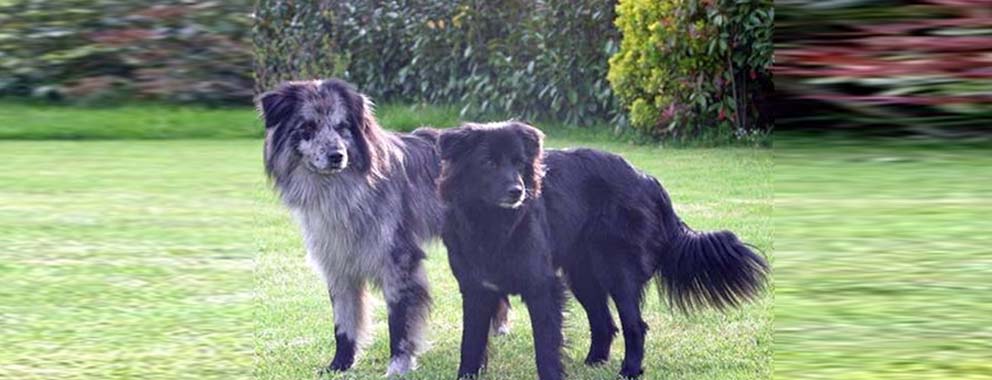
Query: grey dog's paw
339,364
400,366
499,328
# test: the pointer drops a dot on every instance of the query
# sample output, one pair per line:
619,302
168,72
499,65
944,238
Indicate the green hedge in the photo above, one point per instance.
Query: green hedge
294,40
514,58
690,68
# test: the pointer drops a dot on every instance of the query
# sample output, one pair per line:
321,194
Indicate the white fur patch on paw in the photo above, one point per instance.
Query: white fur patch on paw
501,329
402,365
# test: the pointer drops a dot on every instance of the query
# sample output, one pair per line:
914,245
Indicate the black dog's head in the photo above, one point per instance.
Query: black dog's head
324,126
496,164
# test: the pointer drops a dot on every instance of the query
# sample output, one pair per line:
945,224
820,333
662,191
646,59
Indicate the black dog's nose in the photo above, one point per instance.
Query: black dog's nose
515,192
335,158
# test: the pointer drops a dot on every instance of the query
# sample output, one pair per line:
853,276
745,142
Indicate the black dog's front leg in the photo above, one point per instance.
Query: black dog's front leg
478,307
545,306
628,301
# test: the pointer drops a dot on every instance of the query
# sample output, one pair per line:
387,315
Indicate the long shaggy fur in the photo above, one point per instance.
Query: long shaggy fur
610,227
365,201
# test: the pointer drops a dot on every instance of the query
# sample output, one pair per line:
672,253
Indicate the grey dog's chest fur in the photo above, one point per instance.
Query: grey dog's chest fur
347,224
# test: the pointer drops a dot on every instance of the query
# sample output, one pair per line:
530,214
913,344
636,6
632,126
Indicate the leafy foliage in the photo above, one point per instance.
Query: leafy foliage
921,67
517,58
103,49
689,68
294,40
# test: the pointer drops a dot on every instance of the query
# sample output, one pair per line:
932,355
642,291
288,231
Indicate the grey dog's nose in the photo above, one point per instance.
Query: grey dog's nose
335,158
515,192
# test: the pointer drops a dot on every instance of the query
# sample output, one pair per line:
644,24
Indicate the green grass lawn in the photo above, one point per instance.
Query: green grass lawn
883,261
133,258
127,259
171,259
29,121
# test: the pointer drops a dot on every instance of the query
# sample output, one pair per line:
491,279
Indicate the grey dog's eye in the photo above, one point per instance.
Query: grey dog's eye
306,130
340,127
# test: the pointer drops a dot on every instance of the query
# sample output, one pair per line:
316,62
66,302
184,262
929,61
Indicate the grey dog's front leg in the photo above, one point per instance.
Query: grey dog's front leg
407,295
351,319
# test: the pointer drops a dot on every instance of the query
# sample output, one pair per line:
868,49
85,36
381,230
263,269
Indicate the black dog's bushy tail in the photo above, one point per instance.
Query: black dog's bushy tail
710,269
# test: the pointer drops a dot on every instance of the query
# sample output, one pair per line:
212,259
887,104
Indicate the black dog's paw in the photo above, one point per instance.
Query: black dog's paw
595,359
630,373
469,375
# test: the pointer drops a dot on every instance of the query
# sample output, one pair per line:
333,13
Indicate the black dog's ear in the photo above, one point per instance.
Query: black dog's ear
277,105
533,141
457,141
532,137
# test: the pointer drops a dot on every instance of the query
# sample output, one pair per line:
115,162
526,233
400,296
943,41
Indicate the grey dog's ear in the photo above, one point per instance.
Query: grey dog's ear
457,141
278,105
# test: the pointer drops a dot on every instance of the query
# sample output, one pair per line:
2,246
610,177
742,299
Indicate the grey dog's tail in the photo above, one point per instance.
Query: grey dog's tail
710,269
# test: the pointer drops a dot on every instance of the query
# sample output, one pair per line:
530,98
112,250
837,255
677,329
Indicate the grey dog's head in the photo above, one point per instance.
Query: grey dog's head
323,126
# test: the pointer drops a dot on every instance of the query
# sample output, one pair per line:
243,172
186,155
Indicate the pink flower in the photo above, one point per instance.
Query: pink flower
669,112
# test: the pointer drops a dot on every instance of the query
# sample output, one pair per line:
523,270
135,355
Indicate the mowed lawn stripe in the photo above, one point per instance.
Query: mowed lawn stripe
127,259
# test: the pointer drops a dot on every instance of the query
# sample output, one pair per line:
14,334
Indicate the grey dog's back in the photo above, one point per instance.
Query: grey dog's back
422,166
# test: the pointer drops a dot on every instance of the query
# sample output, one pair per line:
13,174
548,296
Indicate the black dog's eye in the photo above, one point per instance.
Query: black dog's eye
489,163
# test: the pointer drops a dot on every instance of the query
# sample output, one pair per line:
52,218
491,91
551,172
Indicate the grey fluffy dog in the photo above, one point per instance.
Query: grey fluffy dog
366,202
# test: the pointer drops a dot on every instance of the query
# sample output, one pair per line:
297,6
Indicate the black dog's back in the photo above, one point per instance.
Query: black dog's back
603,211
594,195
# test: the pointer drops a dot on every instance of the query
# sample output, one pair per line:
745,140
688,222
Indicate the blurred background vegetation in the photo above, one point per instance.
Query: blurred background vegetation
697,69
108,51
680,69
883,66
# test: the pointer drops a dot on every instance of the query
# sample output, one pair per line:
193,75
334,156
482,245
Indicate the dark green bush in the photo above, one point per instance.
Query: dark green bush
512,58
695,68
294,40
112,49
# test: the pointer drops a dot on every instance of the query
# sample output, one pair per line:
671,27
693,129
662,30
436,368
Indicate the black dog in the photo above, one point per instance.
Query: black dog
509,226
